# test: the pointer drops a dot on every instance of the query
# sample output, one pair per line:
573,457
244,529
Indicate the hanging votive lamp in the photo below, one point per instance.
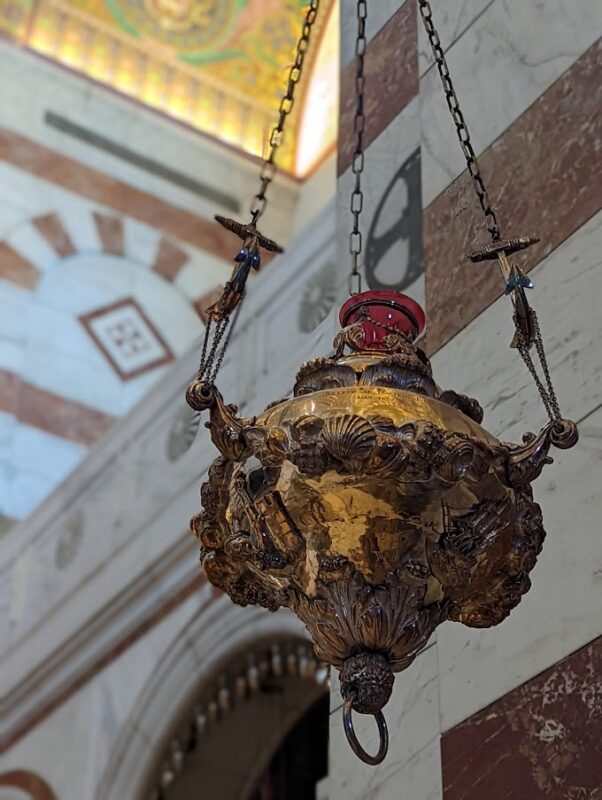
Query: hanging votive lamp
372,503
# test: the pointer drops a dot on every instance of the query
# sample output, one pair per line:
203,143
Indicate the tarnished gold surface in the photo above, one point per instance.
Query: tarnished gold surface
373,524
375,506
370,401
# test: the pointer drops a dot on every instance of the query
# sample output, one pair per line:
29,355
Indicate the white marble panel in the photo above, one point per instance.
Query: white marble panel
21,490
379,14
14,304
21,190
561,612
60,331
34,450
479,362
10,214
201,274
519,54
137,388
7,793
73,378
171,313
12,355
393,201
65,290
6,476
7,426
452,18
418,779
77,217
413,719
110,274
140,242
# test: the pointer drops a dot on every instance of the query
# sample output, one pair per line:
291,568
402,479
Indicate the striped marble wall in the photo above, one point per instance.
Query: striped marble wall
104,265
65,376
392,225
466,719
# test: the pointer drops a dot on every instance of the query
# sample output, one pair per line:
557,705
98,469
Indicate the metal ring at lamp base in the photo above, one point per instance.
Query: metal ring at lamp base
353,741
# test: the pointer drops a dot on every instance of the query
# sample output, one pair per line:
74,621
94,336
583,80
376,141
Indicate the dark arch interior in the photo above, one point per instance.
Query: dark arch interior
301,760
271,746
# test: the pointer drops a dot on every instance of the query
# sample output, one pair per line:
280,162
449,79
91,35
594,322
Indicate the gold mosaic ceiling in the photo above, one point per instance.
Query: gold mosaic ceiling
217,65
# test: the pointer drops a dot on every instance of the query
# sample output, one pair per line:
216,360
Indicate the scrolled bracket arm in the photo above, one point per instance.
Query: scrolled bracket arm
526,463
201,395
564,434
226,427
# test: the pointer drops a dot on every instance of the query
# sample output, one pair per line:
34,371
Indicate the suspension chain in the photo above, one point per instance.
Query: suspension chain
545,387
459,121
357,165
207,370
522,341
214,350
269,169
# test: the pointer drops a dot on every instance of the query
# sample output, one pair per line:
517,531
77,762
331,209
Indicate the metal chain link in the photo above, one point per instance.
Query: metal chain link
206,362
459,121
211,359
229,327
357,165
523,343
269,168
209,365
547,392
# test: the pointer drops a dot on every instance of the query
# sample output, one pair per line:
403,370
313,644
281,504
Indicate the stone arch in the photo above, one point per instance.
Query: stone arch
28,783
193,660
255,701
38,244
99,306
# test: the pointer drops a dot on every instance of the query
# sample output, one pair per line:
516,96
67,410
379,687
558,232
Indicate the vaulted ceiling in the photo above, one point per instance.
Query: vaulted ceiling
219,66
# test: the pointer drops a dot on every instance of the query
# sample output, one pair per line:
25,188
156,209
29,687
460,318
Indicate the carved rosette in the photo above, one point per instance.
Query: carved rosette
526,463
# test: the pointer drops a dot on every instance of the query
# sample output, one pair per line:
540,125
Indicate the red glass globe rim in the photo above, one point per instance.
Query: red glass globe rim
389,299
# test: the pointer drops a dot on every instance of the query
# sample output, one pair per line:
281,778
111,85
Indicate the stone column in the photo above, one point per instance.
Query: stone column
513,710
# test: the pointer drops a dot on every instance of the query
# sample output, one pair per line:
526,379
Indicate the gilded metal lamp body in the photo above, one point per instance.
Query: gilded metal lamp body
372,503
